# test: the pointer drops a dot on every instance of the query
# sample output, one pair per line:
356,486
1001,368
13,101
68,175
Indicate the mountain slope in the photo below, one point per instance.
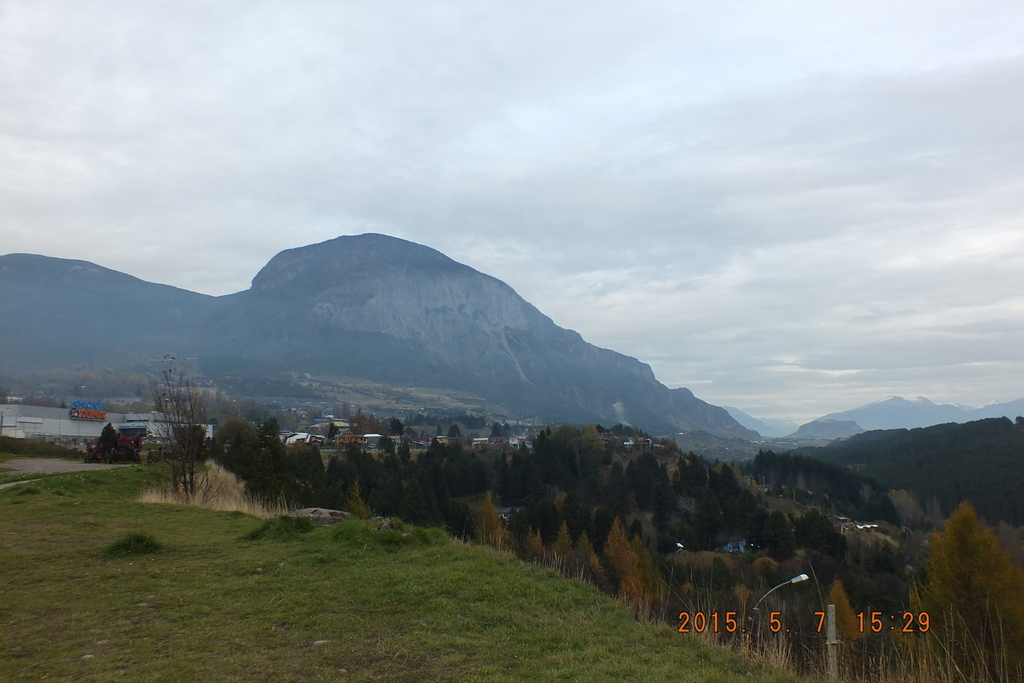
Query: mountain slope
980,461
64,312
374,308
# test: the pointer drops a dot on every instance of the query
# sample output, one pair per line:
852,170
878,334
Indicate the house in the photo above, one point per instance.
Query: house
505,512
297,438
737,547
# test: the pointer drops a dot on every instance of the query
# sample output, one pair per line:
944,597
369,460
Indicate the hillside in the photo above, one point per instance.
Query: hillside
64,313
345,603
367,308
981,461
826,429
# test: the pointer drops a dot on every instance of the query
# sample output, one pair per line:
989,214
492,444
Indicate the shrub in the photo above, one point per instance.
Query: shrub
133,544
9,444
365,534
281,528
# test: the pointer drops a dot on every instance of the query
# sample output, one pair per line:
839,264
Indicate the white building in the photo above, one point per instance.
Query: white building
57,426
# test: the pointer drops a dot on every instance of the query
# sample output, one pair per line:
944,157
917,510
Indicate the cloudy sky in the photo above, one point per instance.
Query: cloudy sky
789,207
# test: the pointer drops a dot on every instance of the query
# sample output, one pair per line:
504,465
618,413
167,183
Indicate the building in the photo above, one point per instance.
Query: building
737,547
74,426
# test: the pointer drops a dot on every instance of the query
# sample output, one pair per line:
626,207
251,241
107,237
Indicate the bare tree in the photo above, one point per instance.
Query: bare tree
182,406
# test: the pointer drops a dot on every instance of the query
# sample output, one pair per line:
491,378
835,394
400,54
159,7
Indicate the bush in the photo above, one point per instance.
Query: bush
9,444
281,528
362,534
133,544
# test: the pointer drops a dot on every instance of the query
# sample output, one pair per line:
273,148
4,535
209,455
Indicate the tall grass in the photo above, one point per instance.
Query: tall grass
919,658
942,655
219,490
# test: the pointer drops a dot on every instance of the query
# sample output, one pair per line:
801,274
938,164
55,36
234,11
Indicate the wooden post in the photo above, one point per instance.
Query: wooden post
832,643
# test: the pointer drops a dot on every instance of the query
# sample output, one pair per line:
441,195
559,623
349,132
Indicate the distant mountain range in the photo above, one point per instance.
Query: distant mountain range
763,426
367,308
896,412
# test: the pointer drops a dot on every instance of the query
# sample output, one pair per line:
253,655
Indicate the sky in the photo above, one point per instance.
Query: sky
792,208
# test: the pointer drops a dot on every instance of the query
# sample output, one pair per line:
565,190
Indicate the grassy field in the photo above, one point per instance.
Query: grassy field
348,603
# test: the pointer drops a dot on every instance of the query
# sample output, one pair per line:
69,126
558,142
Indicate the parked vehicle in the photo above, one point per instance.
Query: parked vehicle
127,449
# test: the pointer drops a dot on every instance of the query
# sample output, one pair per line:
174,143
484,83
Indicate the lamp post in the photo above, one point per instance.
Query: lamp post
796,579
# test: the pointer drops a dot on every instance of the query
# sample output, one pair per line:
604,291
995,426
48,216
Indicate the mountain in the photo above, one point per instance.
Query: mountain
763,426
366,308
826,429
896,412
1010,409
63,312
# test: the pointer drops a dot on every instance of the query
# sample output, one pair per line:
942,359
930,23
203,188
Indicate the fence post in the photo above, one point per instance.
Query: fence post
832,643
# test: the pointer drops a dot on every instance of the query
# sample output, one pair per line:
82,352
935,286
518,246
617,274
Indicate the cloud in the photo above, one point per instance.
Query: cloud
707,189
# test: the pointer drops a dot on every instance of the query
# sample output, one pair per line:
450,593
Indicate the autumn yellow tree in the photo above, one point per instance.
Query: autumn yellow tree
588,557
489,528
626,563
355,502
974,594
534,546
652,585
562,547
847,625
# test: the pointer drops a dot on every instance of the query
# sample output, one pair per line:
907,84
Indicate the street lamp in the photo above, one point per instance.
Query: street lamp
795,579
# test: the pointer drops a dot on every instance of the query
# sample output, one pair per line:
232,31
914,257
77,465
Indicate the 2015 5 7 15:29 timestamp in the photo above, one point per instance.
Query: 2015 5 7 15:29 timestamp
728,622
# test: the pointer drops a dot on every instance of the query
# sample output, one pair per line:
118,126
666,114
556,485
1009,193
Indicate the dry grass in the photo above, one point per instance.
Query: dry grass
219,490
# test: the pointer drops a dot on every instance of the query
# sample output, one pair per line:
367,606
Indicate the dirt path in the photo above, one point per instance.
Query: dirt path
47,466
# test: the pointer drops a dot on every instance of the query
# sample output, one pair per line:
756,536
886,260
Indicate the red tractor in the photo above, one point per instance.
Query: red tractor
127,447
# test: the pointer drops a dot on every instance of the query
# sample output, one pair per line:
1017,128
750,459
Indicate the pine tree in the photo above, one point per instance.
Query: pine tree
778,535
414,504
562,546
269,462
108,440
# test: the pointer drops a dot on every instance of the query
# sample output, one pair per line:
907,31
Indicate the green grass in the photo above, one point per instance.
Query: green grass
132,545
224,601
30,448
8,477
